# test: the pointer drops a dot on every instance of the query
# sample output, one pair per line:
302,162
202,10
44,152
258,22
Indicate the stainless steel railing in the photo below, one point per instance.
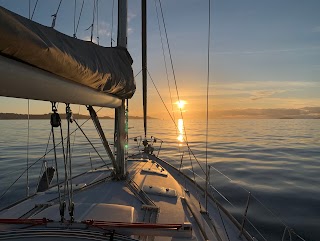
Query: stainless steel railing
251,201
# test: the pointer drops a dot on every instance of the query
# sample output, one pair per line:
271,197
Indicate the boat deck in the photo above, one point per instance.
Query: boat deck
153,193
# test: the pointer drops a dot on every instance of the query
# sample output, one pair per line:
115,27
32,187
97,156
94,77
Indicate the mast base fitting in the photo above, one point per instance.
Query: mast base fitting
119,177
148,149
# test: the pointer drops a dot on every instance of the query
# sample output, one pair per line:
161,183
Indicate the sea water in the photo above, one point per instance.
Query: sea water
277,161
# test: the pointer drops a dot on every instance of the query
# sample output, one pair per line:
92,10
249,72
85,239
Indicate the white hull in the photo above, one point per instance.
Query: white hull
154,196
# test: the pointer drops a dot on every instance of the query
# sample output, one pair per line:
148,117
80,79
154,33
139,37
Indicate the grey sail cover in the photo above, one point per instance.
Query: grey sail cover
104,69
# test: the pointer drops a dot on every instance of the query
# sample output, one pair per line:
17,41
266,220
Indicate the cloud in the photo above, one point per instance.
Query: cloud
131,16
277,113
104,29
260,94
86,38
271,51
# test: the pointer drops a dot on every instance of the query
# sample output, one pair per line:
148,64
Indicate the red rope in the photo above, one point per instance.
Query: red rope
24,221
104,224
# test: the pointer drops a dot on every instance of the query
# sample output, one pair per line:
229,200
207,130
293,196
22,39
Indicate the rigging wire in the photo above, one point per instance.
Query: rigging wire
176,85
75,34
112,19
28,138
223,224
79,127
34,9
173,120
29,9
144,66
207,99
253,196
66,187
75,133
42,157
56,163
74,17
207,118
93,18
97,4
68,157
55,16
164,58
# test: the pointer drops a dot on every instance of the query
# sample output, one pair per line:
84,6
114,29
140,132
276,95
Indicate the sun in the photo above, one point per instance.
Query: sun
180,104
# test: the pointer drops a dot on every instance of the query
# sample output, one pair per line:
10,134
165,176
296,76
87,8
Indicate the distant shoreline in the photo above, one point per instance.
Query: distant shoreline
15,116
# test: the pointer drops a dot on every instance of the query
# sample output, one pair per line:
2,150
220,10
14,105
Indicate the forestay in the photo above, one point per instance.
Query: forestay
107,70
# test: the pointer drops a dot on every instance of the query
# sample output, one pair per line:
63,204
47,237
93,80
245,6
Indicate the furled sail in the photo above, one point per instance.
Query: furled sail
107,70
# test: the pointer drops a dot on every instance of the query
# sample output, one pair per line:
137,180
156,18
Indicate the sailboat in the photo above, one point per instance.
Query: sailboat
142,197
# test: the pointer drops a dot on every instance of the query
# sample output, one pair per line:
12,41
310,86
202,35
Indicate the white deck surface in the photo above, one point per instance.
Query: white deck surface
104,199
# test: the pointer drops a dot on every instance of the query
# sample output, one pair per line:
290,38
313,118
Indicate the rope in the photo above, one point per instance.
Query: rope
254,227
174,121
164,57
89,142
74,17
207,96
55,15
261,203
34,9
56,122
56,163
194,176
68,157
4,193
97,21
66,187
75,133
112,14
24,171
176,85
194,179
75,34
42,157
93,17
223,224
28,138
29,9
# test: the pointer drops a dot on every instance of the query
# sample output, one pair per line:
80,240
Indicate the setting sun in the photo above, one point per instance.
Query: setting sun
180,104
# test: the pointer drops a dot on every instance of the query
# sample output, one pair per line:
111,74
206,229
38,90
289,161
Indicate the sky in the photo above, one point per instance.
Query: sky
264,55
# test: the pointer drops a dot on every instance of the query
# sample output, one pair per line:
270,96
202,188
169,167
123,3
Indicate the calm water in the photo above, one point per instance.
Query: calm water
277,160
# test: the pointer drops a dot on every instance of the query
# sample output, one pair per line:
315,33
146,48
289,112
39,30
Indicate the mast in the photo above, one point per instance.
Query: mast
120,135
144,62
122,23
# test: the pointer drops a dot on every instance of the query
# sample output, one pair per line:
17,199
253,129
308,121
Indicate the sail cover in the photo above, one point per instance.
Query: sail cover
104,69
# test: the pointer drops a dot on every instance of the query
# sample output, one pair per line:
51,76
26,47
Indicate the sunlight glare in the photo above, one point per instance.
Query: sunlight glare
181,104
181,131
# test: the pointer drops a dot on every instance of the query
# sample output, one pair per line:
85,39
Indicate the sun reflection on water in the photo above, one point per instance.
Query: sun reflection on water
181,131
